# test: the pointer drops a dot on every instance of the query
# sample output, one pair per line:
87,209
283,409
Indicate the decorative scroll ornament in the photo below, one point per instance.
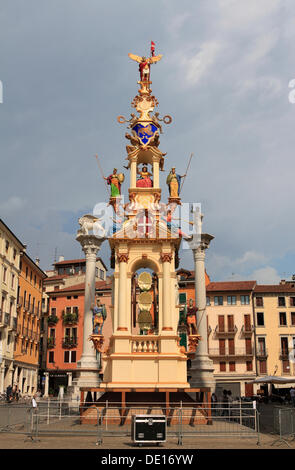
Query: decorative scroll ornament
193,341
166,257
97,341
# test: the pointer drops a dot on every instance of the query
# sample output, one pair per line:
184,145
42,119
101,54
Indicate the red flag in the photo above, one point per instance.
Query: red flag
152,48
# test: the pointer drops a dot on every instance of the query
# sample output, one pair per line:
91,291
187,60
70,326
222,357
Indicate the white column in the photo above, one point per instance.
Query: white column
200,292
202,366
166,292
133,173
70,376
90,245
46,387
156,174
122,314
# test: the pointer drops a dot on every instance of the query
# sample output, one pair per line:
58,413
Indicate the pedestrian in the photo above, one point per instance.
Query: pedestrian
224,403
214,404
292,395
9,393
230,402
34,402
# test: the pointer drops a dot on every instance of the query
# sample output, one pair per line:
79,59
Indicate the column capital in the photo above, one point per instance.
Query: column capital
90,244
123,257
166,257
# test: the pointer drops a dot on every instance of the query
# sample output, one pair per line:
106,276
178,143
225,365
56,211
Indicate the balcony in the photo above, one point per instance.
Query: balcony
229,331
230,353
69,318
284,354
262,353
7,318
52,320
247,330
25,331
14,323
50,342
69,342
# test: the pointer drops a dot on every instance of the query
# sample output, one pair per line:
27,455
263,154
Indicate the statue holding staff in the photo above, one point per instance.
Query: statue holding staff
173,181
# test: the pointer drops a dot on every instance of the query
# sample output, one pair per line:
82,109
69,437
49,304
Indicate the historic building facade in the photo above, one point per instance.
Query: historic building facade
65,332
10,250
27,339
274,320
231,335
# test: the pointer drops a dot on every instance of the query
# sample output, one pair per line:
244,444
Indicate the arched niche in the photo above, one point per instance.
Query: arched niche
152,267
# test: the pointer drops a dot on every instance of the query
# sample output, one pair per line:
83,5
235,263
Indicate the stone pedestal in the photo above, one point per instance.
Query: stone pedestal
202,368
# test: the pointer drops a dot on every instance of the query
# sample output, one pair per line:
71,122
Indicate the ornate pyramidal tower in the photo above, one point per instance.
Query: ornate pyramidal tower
144,256
144,353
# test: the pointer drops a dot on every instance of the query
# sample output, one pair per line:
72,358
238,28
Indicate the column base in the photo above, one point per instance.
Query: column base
201,373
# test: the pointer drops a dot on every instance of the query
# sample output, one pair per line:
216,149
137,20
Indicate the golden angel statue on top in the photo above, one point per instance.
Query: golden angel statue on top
144,65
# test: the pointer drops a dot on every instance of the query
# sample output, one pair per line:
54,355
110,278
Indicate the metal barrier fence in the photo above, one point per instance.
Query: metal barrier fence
52,418
284,424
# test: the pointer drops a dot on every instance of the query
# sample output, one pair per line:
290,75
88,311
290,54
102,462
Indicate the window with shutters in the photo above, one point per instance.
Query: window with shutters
221,323
222,366
262,367
232,366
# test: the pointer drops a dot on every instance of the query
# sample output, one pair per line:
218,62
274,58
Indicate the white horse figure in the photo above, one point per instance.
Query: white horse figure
88,223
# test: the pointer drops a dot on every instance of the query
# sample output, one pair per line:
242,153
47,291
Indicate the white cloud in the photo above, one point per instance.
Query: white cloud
251,257
266,275
13,204
198,65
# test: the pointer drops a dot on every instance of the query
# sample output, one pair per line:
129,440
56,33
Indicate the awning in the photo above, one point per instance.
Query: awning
272,379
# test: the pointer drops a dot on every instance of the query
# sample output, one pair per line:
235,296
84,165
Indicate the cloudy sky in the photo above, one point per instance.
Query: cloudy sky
224,78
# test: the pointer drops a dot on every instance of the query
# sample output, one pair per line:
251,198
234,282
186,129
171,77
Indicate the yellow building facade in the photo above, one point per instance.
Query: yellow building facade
231,336
10,250
27,341
274,307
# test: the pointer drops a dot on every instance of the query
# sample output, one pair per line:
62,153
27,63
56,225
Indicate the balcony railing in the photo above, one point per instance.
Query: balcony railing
262,353
284,353
70,318
70,342
247,329
52,320
230,330
237,352
50,342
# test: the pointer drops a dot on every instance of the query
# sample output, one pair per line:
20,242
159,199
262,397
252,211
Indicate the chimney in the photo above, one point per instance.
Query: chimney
61,258
283,282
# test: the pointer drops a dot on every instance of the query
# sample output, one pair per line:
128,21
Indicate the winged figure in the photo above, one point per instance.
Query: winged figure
144,65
